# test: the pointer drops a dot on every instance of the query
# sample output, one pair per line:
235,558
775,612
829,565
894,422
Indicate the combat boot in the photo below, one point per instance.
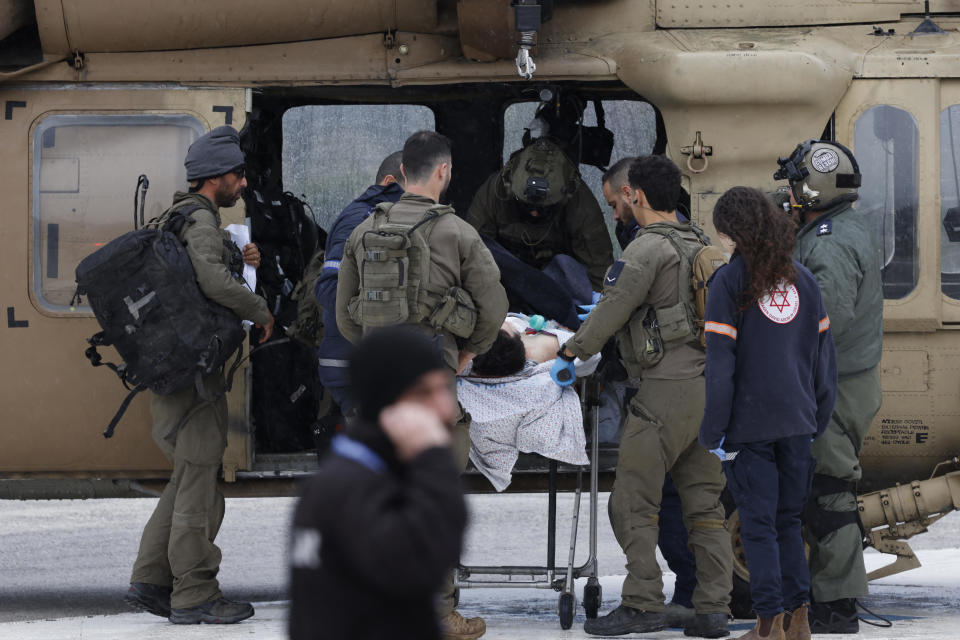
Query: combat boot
151,598
795,624
455,627
766,629
707,625
626,619
679,616
836,616
219,611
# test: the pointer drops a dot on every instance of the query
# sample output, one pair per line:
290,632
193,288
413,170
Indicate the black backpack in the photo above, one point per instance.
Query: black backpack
143,290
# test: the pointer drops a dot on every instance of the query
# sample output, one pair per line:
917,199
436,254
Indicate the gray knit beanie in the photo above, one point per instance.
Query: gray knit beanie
214,154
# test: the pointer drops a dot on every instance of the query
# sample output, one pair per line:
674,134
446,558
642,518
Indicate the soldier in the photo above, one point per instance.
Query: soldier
836,245
334,350
175,572
532,211
619,196
672,538
660,431
423,265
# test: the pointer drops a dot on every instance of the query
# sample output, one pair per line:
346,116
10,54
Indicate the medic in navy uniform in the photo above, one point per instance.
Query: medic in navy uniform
771,378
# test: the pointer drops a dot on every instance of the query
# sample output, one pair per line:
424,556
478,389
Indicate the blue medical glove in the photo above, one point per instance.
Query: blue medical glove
595,296
719,452
585,307
563,372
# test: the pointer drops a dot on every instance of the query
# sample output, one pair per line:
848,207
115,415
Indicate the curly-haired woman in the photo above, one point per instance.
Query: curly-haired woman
771,384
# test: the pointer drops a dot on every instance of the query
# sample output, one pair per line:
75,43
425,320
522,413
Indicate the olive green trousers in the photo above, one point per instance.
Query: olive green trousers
461,454
660,435
836,560
176,548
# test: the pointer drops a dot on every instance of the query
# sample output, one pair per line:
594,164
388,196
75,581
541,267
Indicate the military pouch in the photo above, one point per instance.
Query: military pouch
645,336
675,323
455,313
384,273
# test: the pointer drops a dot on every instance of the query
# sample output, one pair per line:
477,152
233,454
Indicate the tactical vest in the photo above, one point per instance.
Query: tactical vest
394,263
653,330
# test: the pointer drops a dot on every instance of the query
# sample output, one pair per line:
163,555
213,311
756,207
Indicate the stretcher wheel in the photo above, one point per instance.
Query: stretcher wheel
566,607
592,595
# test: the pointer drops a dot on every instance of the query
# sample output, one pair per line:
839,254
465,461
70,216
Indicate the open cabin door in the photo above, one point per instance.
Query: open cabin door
72,156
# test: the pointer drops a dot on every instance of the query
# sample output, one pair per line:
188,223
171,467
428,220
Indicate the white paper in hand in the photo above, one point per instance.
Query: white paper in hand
240,234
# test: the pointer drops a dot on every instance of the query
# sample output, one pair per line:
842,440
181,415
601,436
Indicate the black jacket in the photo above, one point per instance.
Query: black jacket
373,540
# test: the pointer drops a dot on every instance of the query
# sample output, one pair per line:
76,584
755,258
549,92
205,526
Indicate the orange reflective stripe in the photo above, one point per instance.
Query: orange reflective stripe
722,329
824,324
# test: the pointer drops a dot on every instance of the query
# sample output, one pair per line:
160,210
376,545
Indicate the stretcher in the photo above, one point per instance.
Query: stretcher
550,576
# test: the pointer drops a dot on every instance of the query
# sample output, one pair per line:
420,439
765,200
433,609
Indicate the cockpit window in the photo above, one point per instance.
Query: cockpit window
885,145
85,171
331,153
950,201
634,127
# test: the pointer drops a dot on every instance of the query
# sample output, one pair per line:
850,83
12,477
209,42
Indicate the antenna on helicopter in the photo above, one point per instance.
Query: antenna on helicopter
928,26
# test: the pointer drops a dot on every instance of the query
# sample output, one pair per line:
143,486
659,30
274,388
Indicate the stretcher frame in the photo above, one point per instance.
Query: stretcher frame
548,576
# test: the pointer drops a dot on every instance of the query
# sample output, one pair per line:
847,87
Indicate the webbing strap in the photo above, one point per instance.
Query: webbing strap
99,339
382,255
686,263
821,522
108,432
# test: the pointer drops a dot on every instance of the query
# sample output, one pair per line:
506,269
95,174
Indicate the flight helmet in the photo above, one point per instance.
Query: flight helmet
821,174
541,175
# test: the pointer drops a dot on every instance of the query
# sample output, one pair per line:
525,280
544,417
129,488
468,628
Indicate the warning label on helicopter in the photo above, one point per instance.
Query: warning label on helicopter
896,431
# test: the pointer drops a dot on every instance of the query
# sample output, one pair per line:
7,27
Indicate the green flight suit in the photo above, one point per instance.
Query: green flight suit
577,228
660,432
458,257
177,548
841,252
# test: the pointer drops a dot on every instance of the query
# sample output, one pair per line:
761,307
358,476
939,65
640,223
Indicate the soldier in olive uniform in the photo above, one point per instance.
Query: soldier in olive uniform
835,243
175,572
458,261
660,431
538,207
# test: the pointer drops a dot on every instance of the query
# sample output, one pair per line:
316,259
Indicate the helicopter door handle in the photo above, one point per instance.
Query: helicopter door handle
698,151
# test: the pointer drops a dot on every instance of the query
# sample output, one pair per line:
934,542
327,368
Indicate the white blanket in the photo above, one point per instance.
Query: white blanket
527,412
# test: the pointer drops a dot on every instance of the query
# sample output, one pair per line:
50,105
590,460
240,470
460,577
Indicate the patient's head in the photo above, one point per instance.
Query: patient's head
506,357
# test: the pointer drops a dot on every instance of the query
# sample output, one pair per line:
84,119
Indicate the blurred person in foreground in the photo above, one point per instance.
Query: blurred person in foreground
379,526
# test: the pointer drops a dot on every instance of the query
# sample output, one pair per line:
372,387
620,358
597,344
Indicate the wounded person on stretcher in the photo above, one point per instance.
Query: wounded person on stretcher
515,347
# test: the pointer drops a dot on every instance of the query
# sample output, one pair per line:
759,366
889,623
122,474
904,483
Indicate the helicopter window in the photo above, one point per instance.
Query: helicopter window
885,143
85,169
331,153
950,201
634,124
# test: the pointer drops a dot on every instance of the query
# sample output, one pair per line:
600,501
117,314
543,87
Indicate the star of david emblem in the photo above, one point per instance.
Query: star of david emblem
783,303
